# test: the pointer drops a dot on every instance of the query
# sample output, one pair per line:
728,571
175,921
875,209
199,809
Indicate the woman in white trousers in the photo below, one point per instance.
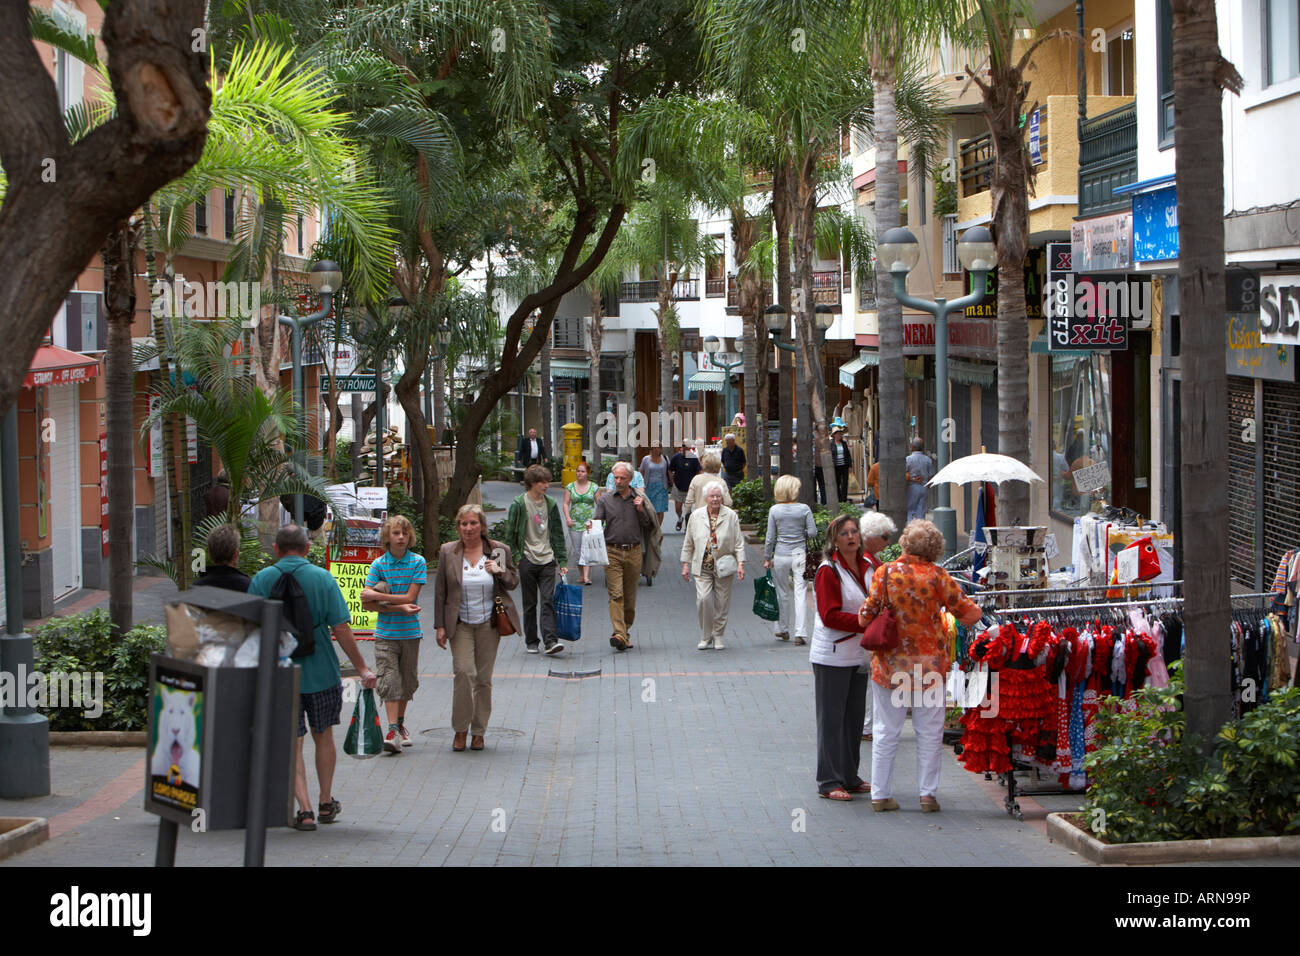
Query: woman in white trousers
877,529
790,526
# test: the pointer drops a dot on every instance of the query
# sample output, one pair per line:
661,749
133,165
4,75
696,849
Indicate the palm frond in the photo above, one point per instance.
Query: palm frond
46,29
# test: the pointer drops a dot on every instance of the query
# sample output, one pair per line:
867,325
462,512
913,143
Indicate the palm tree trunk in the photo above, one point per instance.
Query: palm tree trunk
1199,76
744,229
892,389
546,403
441,373
596,333
784,362
667,346
119,293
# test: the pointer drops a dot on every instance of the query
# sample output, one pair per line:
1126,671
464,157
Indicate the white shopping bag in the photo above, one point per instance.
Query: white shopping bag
593,545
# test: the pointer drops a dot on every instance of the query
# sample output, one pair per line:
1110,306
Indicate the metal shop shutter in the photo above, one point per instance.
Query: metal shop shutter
1280,438
1241,483
4,614
65,490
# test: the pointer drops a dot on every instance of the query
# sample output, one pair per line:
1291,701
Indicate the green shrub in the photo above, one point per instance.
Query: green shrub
342,466
750,504
86,643
1150,781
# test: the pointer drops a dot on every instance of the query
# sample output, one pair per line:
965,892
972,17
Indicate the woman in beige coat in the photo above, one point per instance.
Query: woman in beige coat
712,465
474,572
714,550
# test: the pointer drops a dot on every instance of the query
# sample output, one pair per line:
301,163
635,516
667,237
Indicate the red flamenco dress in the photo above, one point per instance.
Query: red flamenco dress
1013,719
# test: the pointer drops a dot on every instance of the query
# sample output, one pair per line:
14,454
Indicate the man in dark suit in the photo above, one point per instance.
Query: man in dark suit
531,450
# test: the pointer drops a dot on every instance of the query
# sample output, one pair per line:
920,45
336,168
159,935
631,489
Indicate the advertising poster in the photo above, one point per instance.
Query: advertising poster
349,568
176,750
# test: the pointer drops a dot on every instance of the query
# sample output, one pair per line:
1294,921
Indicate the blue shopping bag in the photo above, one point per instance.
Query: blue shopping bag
568,611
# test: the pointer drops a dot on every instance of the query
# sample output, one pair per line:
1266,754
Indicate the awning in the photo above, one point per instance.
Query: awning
851,372
971,373
570,368
58,366
708,380
1039,347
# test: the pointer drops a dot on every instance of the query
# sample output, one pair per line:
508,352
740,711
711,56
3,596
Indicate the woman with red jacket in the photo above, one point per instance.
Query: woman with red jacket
838,660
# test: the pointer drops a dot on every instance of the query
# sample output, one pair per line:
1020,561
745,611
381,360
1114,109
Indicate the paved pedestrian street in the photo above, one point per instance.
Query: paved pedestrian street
661,755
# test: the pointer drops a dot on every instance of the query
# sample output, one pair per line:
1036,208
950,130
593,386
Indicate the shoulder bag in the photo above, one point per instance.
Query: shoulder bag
882,633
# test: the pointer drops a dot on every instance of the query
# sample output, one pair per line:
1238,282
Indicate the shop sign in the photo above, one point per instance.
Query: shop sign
1155,225
987,308
1103,244
103,492
1279,304
374,498
1242,287
971,338
349,568
1035,139
1096,311
156,463
1249,357
60,376
1091,478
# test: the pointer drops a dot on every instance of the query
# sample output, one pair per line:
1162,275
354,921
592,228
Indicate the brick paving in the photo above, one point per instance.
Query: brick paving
670,756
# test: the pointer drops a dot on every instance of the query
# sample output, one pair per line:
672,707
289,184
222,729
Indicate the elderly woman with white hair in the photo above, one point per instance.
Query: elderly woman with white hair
714,551
790,526
875,528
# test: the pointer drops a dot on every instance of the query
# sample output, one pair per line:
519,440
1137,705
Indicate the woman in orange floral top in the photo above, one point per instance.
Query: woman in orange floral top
913,673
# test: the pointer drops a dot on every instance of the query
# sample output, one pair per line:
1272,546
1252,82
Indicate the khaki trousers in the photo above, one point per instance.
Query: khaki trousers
473,658
622,575
713,599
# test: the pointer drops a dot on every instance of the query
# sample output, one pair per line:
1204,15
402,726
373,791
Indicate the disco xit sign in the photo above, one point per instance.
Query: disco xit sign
1092,312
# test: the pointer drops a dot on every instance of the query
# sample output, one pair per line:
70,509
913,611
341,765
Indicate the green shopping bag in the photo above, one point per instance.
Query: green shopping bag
765,605
365,737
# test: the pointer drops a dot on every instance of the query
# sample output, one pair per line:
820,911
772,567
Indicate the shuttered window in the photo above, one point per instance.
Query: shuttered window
1241,481
1280,508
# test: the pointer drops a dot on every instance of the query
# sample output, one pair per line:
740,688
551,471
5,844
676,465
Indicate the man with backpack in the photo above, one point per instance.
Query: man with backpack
315,605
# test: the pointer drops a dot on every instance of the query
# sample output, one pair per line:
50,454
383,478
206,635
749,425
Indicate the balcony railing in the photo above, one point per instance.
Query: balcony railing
715,288
827,287
977,158
733,294
1107,160
647,290
951,263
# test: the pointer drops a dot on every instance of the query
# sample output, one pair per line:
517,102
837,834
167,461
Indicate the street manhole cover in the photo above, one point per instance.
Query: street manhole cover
440,732
573,675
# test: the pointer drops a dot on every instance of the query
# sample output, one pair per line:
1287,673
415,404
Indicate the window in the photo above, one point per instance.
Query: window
611,373
1119,63
1165,72
300,230
1281,40
566,332
201,217
715,268
230,213
1080,422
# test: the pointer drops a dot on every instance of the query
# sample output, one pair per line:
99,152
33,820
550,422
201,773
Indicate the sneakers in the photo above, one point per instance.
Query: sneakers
555,647
392,742
531,649
404,734
718,645
703,646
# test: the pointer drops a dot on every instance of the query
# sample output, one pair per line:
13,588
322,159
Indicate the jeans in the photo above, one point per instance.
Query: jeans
532,578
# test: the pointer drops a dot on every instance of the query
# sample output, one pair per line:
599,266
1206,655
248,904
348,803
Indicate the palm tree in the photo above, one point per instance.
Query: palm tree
1201,74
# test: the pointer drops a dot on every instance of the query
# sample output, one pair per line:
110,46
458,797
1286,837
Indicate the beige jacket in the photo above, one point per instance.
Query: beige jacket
731,540
695,493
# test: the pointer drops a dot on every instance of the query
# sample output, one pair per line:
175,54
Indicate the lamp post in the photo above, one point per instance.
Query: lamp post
899,249
325,278
711,346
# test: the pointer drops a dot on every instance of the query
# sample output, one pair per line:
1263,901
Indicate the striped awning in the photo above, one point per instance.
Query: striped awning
707,380
570,368
971,373
850,372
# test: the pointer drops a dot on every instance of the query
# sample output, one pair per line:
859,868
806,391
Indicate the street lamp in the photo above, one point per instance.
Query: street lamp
325,279
900,251
711,346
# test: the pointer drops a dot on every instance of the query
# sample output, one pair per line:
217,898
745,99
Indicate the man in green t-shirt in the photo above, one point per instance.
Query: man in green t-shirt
320,691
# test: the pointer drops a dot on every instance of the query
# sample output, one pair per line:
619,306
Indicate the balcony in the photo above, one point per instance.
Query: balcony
647,290
977,158
733,295
1107,160
715,288
827,287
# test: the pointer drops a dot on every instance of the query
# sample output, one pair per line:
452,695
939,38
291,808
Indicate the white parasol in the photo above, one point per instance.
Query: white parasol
984,467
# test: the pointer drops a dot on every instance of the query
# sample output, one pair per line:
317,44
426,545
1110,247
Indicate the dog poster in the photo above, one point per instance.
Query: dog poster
176,750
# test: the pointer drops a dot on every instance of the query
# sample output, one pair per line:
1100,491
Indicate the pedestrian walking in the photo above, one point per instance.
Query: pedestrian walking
530,451
839,661
714,551
820,445
392,588
790,527
320,686
654,469
534,531
843,458
733,461
627,516
474,573
875,529
222,570
873,482
712,465
920,469
916,590
682,469
579,502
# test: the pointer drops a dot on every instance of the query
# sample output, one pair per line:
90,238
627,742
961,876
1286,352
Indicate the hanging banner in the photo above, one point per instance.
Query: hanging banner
156,463
1095,312
103,492
1155,225
1279,310
1103,244
191,441
1035,140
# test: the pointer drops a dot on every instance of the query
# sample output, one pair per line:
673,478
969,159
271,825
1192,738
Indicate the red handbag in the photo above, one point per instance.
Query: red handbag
882,633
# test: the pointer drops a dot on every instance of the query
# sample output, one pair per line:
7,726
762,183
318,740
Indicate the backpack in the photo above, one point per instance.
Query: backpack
297,612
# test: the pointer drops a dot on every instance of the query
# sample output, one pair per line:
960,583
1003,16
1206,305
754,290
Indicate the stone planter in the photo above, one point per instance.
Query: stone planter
1062,828
22,833
98,738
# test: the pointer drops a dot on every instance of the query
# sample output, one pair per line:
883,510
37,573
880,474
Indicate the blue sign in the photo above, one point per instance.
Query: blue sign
1155,225
1035,141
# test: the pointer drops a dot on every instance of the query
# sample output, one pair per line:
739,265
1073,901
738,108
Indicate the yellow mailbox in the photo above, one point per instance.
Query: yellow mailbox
572,451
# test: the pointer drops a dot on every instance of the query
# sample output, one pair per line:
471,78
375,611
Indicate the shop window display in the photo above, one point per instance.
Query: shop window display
1080,422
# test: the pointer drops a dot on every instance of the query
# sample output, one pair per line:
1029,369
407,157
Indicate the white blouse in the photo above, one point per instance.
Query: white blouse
476,591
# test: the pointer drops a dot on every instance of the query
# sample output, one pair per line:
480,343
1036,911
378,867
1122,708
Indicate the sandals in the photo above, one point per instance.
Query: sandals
305,820
783,637
882,806
329,812
839,793
799,642
863,787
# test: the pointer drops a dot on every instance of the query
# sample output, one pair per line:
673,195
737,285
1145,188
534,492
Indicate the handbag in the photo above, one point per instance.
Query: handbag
594,553
502,619
765,601
724,565
882,633
568,611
